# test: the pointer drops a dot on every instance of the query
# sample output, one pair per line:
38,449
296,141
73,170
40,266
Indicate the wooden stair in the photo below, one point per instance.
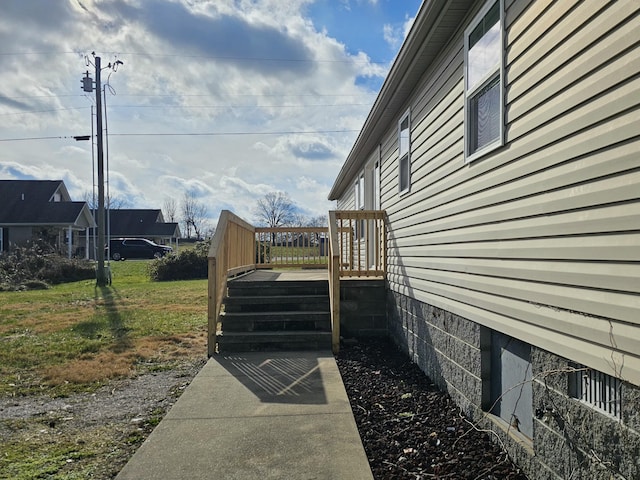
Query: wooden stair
276,316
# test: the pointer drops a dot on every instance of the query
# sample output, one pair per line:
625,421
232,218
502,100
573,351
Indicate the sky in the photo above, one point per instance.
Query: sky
223,100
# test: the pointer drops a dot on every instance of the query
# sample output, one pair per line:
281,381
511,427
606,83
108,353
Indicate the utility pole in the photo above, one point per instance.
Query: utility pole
101,277
87,86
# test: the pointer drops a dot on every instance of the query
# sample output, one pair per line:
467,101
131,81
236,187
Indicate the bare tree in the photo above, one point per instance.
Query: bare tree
112,202
298,220
194,215
319,221
170,210
275,209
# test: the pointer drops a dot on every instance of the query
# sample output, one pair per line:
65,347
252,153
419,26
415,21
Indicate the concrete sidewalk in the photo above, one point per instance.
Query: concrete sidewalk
257,416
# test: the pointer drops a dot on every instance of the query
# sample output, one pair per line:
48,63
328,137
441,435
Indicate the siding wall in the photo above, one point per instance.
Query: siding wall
539,239
348,200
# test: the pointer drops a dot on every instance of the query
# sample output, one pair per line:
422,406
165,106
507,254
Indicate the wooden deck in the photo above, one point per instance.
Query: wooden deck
283,275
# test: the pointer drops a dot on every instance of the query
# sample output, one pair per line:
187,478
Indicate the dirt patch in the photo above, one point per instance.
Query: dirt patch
94,433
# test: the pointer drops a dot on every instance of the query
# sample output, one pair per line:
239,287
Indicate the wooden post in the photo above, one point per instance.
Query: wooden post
212,315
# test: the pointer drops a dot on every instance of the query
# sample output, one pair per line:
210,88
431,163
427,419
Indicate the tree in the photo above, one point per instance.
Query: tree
112,202
194,215
275,209
170,209
319,221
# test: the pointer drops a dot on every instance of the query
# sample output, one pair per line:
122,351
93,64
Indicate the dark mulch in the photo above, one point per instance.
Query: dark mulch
409,428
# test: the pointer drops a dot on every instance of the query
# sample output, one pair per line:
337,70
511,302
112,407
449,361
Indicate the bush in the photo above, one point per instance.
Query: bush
189,264
35,266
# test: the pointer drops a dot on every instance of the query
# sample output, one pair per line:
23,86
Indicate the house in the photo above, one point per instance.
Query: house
141,223
41,209
504,148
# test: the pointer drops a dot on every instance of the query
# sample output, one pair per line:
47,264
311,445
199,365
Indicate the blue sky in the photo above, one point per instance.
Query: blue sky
227,99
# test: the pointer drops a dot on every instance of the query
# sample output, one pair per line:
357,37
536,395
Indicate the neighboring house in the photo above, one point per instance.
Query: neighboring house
140,223
504,147
41,210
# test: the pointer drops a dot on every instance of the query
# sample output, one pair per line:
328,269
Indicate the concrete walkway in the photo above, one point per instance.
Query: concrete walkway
257,416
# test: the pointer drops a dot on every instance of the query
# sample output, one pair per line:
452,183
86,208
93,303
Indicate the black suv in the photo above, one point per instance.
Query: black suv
122,248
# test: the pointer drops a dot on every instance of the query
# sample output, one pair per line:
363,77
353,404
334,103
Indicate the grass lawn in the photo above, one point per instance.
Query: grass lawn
75,338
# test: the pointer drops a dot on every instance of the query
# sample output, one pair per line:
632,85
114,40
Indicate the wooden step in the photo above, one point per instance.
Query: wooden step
276,321
270,303
276,315
273,341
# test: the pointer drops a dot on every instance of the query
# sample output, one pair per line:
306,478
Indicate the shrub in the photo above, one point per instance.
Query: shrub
34,266
189,264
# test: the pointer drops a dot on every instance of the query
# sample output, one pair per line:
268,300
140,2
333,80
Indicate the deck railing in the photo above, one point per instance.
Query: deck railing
232,252
334,282
362,242
299,247
354,245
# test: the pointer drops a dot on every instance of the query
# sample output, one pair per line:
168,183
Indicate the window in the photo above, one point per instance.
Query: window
404,154
597,389
484,99
376,186
359,194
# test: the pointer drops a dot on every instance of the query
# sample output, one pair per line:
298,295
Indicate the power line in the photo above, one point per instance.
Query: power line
188,134
212,57
29,112
58,137
302,105
257,95
220,134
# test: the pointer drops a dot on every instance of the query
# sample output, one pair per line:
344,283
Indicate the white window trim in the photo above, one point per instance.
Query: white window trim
468,95
405,116
375,190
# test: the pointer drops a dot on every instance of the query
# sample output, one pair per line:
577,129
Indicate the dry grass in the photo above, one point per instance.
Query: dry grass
90,368
75,337
110,364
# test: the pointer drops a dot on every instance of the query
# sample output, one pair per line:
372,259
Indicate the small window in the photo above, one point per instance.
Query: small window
484,100
404,154
597,389
376,186
360,192
359,204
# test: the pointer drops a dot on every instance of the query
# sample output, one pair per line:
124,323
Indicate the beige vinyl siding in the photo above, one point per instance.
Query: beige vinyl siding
539,239
348,200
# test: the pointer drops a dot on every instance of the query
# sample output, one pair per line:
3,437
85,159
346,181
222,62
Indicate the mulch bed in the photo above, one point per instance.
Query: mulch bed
409,428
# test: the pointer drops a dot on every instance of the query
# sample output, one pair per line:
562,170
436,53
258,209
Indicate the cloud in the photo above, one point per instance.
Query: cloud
394,34
303,147
9,102
254,67
223,37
